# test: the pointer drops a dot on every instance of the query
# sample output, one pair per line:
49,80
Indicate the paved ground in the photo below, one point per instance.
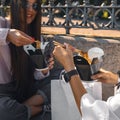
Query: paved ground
84,32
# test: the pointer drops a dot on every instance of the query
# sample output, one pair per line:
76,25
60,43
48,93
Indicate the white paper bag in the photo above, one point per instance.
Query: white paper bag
63,103
94,89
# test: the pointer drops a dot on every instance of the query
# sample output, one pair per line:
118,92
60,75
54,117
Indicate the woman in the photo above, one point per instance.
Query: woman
19,97
89,107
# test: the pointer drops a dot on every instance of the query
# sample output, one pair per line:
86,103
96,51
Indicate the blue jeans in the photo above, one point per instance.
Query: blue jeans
11,109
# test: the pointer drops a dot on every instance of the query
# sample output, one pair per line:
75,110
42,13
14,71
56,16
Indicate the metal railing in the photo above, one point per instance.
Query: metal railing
74,15
4,10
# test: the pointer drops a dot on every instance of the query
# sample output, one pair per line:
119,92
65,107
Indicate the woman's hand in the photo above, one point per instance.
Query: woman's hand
19,38
106,77
51,62
50,65
35,102
64,56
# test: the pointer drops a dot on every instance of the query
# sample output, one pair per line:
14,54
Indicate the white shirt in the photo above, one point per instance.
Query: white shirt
64,106
5,60
100,110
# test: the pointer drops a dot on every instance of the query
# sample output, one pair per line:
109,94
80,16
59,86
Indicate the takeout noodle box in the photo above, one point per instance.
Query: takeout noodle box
38,59
85,69
36,55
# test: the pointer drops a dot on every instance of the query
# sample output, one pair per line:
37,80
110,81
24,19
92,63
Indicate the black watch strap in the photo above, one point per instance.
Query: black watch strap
68,75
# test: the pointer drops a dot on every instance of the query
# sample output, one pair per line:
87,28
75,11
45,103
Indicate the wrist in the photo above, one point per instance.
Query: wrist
45,71
69,67
70,74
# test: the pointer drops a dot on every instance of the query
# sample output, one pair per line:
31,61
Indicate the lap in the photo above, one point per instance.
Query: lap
46,89
10,109
46,116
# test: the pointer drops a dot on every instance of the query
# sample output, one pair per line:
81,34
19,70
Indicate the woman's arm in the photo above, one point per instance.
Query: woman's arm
17,37
65,57
14,36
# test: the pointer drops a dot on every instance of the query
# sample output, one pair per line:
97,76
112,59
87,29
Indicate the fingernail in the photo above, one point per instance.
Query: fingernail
66,45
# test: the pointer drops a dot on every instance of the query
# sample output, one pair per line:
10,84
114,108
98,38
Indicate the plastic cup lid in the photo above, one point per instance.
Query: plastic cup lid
95,52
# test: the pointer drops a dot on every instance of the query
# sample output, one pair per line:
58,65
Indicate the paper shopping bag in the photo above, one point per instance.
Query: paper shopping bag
62,101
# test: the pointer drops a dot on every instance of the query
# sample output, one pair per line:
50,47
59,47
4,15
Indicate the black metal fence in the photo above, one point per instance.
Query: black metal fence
75,14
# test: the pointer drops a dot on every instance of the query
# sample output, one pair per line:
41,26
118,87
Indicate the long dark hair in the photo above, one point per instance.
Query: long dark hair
22,67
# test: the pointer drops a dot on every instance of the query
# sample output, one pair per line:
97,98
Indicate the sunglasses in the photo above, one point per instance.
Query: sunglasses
28,5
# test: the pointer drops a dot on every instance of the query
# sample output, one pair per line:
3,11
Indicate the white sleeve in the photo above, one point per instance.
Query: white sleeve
3,36
100,110
38,75
114,105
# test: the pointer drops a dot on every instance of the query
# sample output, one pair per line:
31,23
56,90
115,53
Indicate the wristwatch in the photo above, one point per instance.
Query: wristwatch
68,75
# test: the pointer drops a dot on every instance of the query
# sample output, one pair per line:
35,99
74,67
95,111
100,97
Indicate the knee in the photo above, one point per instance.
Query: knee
12,110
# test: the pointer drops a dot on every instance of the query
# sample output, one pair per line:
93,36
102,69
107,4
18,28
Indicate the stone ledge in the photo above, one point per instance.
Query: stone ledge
111,48
83,32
